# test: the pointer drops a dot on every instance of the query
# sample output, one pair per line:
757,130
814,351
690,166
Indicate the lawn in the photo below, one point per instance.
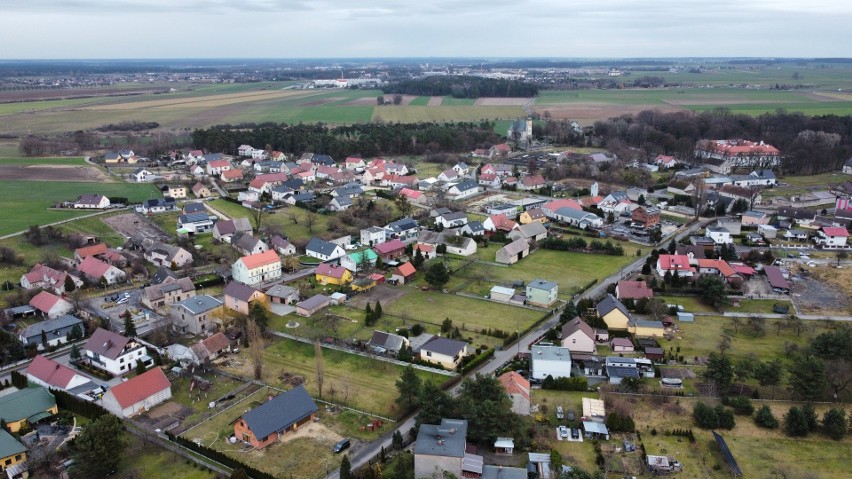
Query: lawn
357,381
443,113
143,459
281,218
758,306
198,400
691,304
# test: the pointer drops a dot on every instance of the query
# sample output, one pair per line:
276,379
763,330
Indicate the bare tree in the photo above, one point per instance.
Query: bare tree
257,214
736,323
698,195
724,343
293,216
255,339
318,361
310,220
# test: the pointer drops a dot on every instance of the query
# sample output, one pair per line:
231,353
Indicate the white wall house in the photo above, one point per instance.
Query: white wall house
550,361
257,268
138,394
114,353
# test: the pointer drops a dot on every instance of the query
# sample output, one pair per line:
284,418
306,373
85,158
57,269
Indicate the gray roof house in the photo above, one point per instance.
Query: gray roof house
442,448
513,252
275,417
324,250
55,330
384,342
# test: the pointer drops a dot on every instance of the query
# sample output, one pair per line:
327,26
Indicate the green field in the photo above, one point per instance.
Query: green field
142,459
281,219
409,114
420,101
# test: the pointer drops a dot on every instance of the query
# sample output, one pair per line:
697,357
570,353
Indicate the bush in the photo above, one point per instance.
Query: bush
742,406
795,423
705,416
726,417
834,423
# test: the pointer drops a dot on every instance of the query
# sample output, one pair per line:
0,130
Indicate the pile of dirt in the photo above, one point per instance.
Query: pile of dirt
291,379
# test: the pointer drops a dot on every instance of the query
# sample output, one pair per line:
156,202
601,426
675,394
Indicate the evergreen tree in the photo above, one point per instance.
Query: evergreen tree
409,387
99,448
140,367
378,311
810,416
834,423
795,423
345,468
129,326
75,353
44,339
764,418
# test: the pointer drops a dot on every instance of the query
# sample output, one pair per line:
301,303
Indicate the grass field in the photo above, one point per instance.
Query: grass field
149,461
281,218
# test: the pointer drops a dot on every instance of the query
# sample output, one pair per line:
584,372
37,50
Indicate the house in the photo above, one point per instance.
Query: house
767,231
355,261
618,368
157,205
54,375
258,154
499,151
349,191
489,180
257,268
322,160
754,218
428,242
473,228
513,252
674,264
633,290
502,294
372,175
282,246
224,230
681,187
451,219
240,297
554,361
405,229
595,430
578,337
138,394
464,189
832,236
614,313
719,235
448,176
354,163
332,274
442,448
744,193
518,388
847,167
271,420
313,304
210,348
509,210
732,225
50,305
542,293
231,176
390,250
404,273
97,271
647,216
803,216
324,250
578,218
140,175
665,161
98,202
600,158
55,331
197,315
114,353
727,156
445,352
26,407
339,204
247,244
646,329
200,191
397,181
218,167
195,223
499,169
46,278
384,343
529,232
534,215
531,182
164,254
244,150
756,178
174,191
281,294
499,222
621,345
167,293
615,202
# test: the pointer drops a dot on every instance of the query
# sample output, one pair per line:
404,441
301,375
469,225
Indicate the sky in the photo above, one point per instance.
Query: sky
83,29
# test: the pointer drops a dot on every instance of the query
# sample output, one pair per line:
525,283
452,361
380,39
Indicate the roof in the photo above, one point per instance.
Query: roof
389,247
608,304
44,301
449,439
280,412
542,285
25,403
9,446
622,342
51,325
575,325
593,408
550,353
406,269
502,290
281,291
314,302
445,346
389,341
514,383
94,267
214,344
51,372
200,304
333,271
193,218
533,229
239,291
634,290
320,246
260,259
674,262
466,185
775,277
515,247
92,250
595,427
141,387
835,231
106,343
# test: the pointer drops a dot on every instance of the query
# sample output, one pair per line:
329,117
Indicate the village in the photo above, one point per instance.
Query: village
268,302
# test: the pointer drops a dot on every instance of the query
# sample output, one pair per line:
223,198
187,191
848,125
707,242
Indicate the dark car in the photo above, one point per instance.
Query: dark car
571,415
575,433
341,446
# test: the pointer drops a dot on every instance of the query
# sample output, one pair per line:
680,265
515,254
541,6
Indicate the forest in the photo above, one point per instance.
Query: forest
365,140
808,144
462,87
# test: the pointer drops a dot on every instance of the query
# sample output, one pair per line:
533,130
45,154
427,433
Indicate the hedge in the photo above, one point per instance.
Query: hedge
476,361
219,457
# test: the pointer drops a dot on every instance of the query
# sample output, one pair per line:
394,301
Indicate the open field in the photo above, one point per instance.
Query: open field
142,459
446,113
281,218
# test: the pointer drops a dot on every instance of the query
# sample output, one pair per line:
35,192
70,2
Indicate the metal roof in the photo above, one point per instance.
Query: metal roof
448,439
280,412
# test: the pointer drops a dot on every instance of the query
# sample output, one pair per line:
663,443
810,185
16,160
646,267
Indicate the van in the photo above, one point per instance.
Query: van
341,446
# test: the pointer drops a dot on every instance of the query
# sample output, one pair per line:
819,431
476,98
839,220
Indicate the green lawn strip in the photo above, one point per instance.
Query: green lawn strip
691,304
420,101
143,459
198,400
445,113
76,161
281,218
452,101
757,306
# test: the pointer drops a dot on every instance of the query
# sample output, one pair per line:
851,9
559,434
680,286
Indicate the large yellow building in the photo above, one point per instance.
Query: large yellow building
13,456
27,406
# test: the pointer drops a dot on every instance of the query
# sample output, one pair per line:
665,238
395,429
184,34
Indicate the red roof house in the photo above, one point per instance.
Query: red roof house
390,250
50,305
138,394
633,290
51,374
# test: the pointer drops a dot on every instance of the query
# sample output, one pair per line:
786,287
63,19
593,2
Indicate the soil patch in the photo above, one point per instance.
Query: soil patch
369,101
313,430
64,173
823,290
435,101
135,225
501,101
384,293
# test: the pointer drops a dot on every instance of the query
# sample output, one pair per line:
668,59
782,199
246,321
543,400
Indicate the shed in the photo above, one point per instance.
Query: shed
686,317
595,430
312,305
504,445
501,293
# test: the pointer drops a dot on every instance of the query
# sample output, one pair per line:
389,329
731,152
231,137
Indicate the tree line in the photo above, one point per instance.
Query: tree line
462,87
808,144
366,140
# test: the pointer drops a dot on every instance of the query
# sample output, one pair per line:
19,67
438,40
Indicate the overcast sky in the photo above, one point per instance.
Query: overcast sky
60,29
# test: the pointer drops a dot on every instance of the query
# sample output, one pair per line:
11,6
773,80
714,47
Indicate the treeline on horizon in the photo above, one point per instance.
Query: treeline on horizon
462,87
808,144
364,140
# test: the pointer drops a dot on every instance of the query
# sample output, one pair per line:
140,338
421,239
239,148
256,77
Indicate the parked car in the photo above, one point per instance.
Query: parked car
341,446
563,432
575,433
571,415
559,412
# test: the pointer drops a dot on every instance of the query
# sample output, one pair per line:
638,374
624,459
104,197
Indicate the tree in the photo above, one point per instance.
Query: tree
713,291
834,423
795,423
70,286
841,256
768,374
44,339
720,371
810,416
378,310
75,333
320,366
99,447
757,324
241,474
75,353
705,416
437,275
403,205
764,418
434,404
257,214
140,367
487,408
129,325
310,221
345,468
672,246
259,315
409,387
255,339
807,377
568,313
418,260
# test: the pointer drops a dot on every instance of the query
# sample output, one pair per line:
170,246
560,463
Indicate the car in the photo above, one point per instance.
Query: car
791,255
341,446
563,432
571,415
575,433
123,300
559,412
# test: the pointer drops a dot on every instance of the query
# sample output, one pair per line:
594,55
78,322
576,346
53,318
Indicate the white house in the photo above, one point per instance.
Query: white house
55,331
195,223
373,235
257,268
114,353
832,236
444,351
140,175
719,235
245,150
464,189
218,167
138,394
54,375
97,202
50,305
451,219
552,361
324,250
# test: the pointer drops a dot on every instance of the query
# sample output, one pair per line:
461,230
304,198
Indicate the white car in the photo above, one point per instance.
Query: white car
563,432
123,300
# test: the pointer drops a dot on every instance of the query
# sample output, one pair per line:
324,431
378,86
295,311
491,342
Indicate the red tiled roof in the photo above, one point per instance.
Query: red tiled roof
93,250
140,387
330,270
426,248
94,267
675,262
406,269
219,163
232,174
51,372
216,343
260,259
563,203
411,193
354,160
44,301
835,231
514,383
389,247
634,290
